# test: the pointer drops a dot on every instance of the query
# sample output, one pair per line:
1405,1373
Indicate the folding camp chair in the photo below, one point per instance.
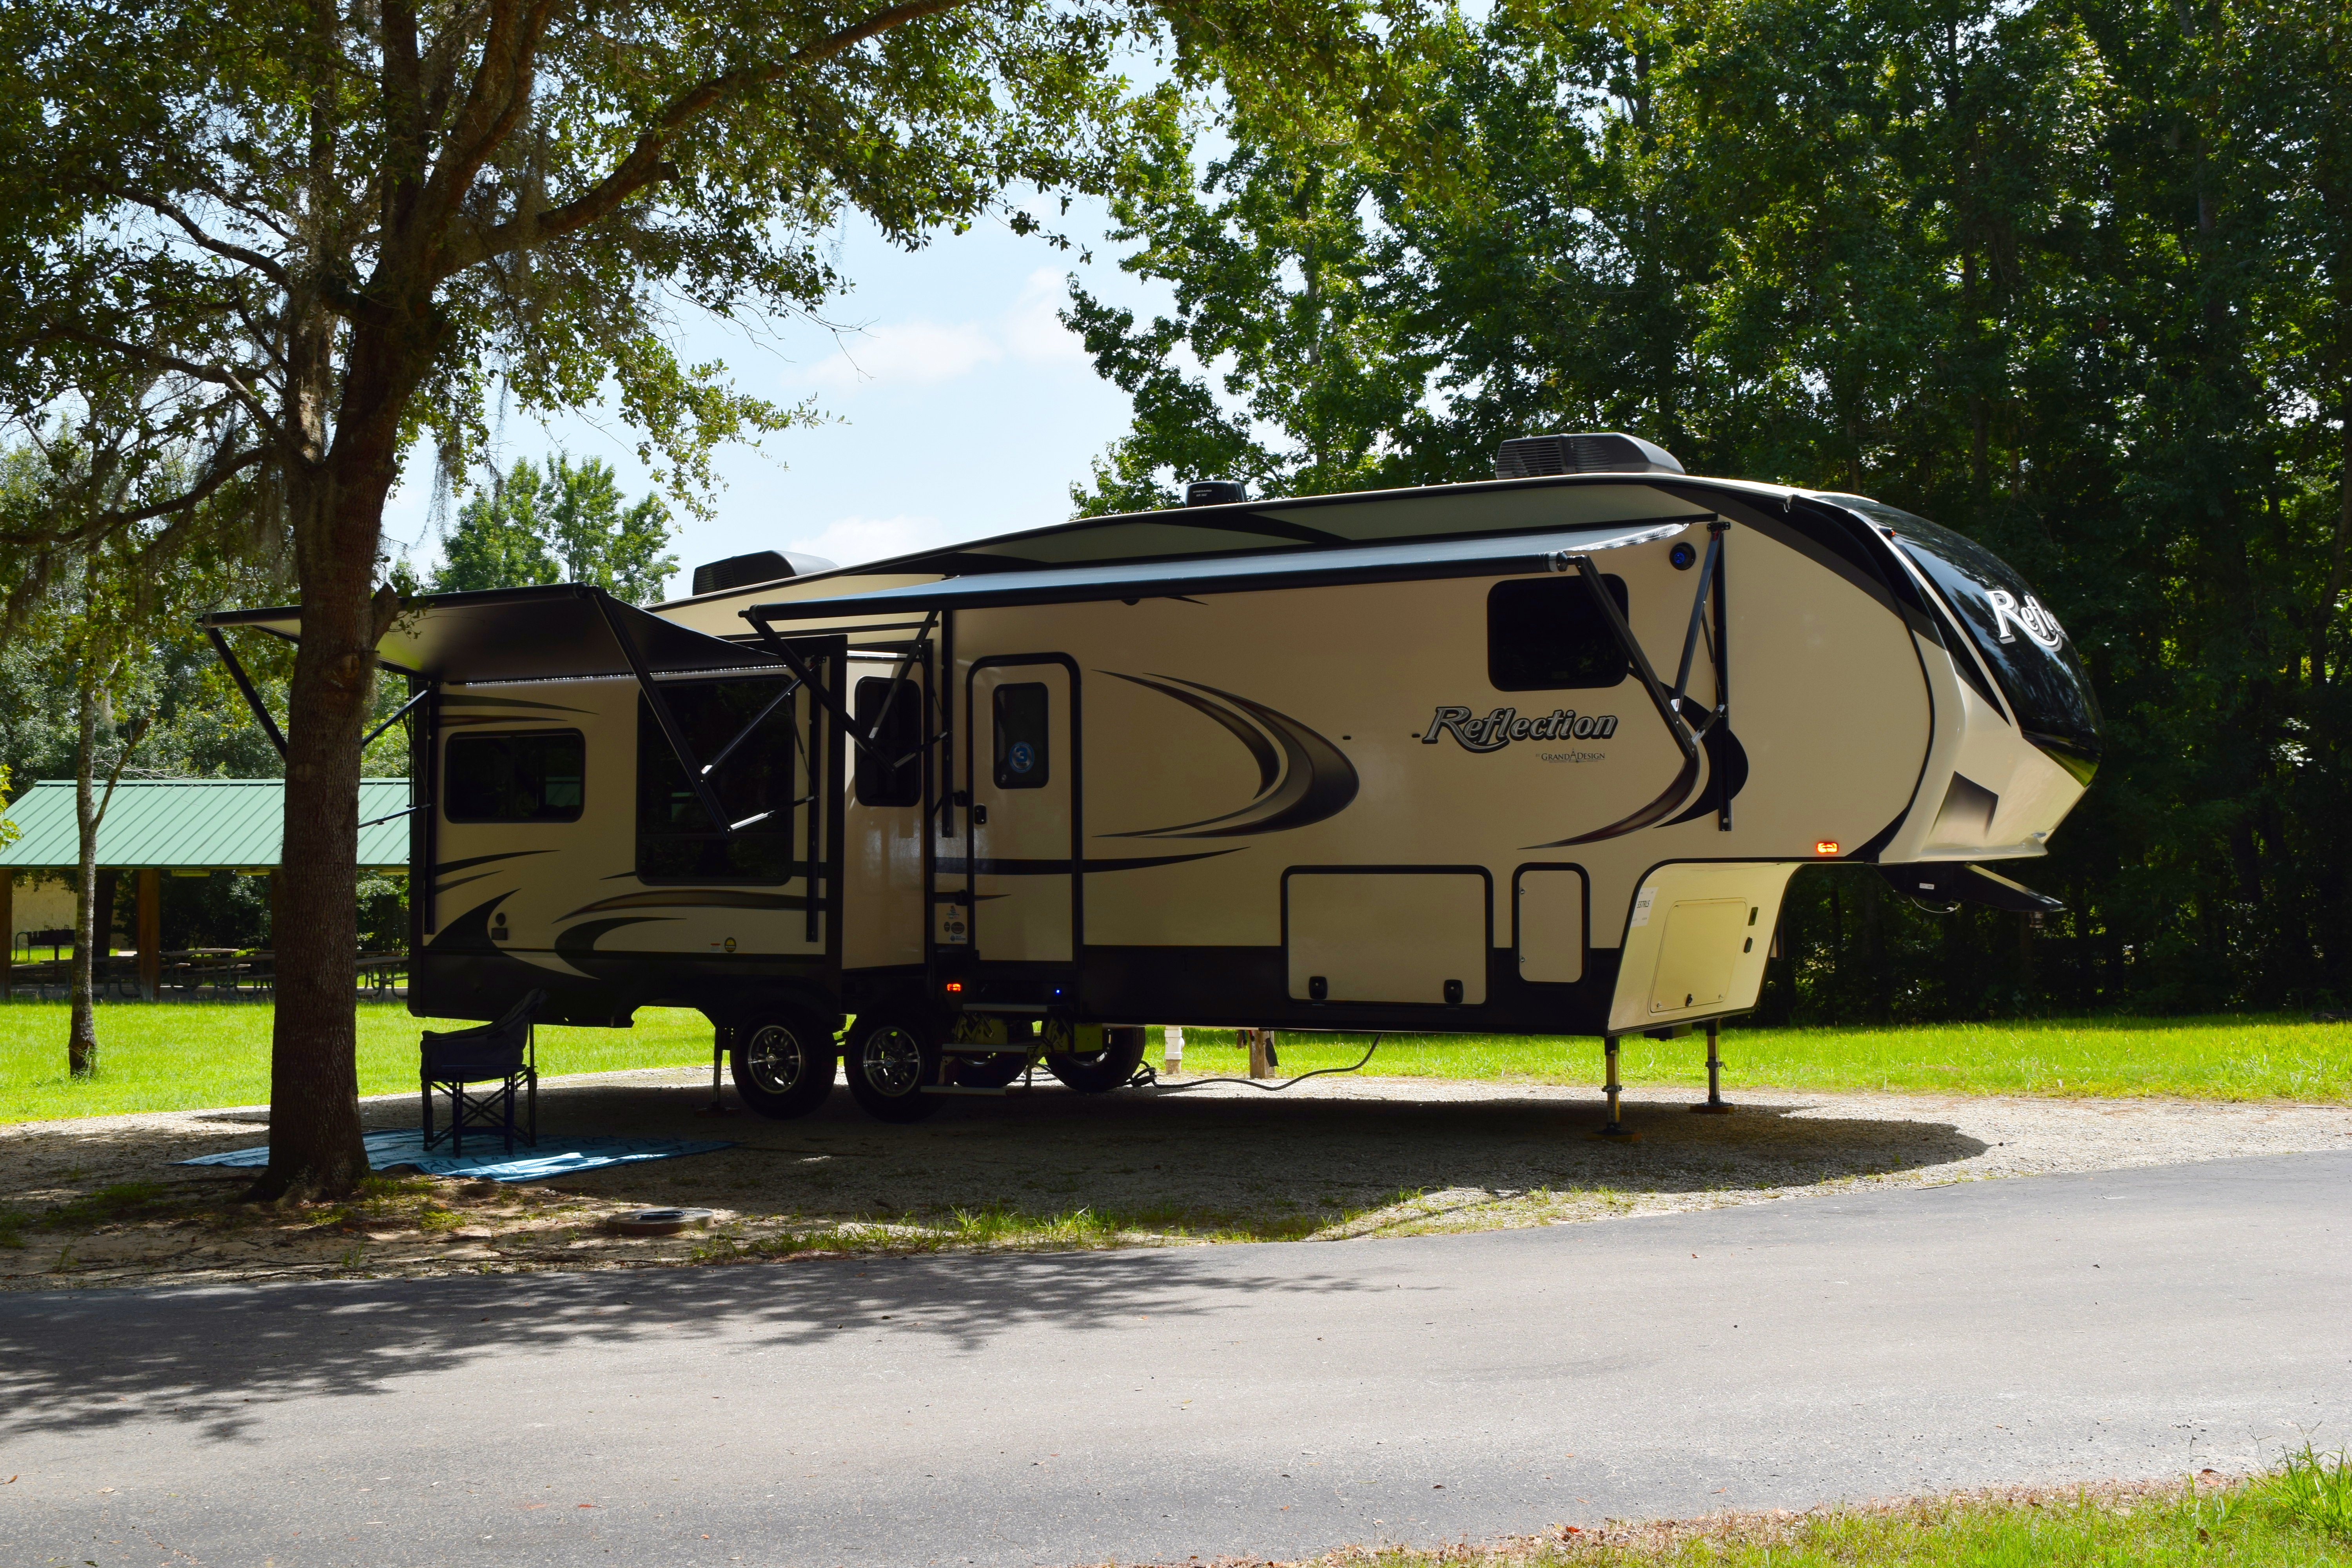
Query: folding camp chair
505,1051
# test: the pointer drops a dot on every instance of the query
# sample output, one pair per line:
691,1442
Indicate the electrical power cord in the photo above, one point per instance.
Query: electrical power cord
1145,1077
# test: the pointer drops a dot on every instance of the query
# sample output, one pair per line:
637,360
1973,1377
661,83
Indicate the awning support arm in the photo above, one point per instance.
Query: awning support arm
403,811
244,684
1615,620
897,676
744,734
798,665
678,744
401,713
1698,611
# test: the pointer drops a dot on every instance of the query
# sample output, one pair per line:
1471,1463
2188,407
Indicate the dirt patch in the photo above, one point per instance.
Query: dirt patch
99,1202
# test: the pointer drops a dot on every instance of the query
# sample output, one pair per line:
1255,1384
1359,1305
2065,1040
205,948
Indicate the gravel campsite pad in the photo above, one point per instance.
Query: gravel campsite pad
99,1200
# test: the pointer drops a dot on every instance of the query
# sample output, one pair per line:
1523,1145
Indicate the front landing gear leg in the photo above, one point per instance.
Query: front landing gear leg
718,1106
1614,1129
1715,1104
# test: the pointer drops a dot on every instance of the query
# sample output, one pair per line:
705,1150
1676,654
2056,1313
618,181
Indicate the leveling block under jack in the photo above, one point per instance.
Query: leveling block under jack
1614,1129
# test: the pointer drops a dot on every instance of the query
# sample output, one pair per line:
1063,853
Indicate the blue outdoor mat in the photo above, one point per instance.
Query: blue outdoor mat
487,1158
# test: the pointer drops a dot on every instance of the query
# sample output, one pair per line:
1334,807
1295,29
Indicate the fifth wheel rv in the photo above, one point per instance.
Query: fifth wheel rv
1532,755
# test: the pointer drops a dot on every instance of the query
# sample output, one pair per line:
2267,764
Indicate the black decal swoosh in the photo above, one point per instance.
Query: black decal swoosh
988,868
1317,781
445,867
470,932
577,946
462,701
1676,792
1261,749
695,899
1726,759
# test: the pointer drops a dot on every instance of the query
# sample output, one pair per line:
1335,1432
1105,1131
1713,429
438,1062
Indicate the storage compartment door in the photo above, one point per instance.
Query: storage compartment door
1386,936
1550,925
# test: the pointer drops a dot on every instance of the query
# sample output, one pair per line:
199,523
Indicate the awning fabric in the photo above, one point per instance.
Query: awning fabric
1424,559
526,634
189,825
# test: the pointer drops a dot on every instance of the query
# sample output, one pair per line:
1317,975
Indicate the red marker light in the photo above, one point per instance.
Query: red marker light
955,986
1825,847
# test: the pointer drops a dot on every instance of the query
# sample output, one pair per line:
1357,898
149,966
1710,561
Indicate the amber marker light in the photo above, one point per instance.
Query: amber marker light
1825,847
953,986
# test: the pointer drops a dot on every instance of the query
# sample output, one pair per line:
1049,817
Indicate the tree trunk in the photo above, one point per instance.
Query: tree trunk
337,497
81,1032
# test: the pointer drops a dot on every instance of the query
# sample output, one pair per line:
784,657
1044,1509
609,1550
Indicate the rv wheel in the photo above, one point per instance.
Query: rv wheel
891,1059
1098,1072
782,1062
990,1072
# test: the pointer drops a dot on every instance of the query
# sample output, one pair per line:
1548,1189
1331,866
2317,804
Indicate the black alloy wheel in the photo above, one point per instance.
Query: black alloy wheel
782,1061
891,1057
1099,1072
995,1071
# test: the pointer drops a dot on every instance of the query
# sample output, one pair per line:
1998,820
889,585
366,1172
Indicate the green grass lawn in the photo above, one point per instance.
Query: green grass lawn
187,1056
184,1056
2298,1516
2231,1058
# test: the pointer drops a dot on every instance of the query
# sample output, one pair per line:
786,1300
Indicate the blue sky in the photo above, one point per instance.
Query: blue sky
958,405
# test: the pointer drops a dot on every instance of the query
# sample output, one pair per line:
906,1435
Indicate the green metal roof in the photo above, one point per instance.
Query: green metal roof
189,825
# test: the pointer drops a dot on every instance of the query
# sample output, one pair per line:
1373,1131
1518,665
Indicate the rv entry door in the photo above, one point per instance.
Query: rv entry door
1022,762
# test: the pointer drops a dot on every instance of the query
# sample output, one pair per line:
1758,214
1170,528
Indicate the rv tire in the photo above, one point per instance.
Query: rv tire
892,1057
782,1061
990,1072
1099,1072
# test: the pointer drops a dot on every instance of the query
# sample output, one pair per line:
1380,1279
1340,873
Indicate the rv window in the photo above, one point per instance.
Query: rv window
676,840
890,764
1021,759
1544,633
533,777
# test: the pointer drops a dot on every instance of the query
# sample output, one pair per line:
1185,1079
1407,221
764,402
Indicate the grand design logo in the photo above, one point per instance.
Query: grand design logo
1504,725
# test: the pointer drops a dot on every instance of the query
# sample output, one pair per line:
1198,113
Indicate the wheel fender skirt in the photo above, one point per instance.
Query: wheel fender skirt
1944,886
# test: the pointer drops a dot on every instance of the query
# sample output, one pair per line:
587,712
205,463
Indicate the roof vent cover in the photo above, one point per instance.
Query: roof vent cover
1581,452
759,566
1215,492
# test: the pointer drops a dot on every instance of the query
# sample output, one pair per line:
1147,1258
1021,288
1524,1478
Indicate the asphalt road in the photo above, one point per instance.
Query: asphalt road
1152,1405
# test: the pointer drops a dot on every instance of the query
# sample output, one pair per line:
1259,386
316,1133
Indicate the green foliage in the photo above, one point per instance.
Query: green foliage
2075,278
568,524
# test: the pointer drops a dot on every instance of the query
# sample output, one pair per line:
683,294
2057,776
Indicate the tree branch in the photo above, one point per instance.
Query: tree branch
204,372
644,162
238,253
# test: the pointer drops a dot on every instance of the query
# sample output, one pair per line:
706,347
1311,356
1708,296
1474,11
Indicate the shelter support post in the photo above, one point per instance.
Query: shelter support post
1715,1104
7,933
1615,1126
151,934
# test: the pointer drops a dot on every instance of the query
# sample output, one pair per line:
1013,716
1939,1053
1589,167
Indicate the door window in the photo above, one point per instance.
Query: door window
1022,759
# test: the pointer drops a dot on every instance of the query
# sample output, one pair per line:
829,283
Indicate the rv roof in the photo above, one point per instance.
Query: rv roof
1459,557
1548,503
526,634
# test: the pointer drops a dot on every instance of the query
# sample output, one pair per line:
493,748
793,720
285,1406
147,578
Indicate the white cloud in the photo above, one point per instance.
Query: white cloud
906,353
851,540
1032,329
924,353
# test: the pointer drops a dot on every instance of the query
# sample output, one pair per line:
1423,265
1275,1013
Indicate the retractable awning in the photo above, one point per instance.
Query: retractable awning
527,634
1418,561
